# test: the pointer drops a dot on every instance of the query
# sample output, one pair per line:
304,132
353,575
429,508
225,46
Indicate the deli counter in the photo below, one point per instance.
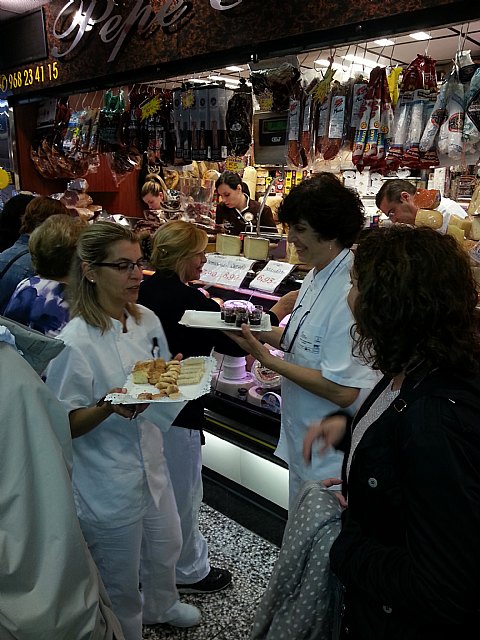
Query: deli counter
243,409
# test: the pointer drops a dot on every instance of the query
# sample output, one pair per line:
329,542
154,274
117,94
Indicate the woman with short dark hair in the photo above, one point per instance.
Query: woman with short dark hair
320,374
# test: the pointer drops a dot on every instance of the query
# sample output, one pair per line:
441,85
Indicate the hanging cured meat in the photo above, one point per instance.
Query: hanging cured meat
239,120
375,123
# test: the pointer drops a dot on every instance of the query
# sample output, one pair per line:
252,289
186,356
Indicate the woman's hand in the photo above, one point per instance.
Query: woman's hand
330,431
333,482
130,411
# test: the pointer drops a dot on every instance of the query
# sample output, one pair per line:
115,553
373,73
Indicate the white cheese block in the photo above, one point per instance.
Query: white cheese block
475,229
255,248
456,232
229,245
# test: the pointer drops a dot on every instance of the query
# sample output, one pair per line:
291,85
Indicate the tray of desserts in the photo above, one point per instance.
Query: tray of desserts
229,319
159,381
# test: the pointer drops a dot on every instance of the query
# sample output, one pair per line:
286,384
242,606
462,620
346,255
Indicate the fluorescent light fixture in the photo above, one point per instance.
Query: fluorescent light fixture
384,42
225,79
234,68
362,61
340,67
198,80
323,62
420,35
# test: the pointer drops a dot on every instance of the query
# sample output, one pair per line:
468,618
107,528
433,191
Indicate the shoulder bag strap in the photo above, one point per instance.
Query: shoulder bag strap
10,262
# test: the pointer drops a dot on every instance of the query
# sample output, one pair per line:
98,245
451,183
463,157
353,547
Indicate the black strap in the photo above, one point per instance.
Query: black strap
10,262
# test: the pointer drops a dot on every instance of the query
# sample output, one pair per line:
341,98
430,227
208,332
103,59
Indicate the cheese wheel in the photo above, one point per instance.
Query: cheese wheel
429,218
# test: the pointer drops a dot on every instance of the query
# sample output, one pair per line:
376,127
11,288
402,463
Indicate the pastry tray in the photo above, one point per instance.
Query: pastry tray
187,392
213,320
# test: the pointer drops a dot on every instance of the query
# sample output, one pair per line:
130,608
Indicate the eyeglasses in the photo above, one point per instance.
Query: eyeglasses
124,265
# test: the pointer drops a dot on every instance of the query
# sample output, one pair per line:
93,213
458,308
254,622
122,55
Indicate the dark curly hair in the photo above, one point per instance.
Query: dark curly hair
332,210
416,302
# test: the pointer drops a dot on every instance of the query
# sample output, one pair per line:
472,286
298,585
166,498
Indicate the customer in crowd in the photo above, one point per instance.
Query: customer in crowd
39,301
10,219
237,212
178,255
320,374
49,585
396,200
408,553
154,191
16,262
124,496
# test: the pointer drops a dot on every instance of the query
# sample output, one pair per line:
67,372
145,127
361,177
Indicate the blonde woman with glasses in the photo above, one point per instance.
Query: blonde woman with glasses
123,493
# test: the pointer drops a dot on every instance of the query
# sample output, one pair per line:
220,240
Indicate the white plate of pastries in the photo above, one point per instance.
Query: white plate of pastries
157,380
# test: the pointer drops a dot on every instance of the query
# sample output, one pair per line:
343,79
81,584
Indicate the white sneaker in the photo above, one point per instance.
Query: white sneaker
183,615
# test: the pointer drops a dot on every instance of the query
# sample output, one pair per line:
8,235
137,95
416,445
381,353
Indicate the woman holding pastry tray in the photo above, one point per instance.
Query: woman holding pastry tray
121,484
320,374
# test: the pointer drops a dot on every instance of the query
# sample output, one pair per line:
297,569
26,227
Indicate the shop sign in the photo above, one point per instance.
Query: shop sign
114,28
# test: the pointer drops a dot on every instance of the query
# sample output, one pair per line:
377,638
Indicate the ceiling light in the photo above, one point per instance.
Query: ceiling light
420,35
234,68
225,79
363,61
198,80
384,42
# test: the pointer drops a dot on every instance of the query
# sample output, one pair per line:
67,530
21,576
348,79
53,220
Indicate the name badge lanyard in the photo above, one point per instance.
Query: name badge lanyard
283,341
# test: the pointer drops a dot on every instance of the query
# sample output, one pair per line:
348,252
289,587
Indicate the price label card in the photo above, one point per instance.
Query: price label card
270,277
227,270
234,163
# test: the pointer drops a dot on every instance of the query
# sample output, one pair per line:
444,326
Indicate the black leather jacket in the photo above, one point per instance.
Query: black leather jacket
409,553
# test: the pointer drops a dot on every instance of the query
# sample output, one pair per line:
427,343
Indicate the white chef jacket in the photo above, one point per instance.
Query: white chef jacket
49,587
118,462
449,208
323,343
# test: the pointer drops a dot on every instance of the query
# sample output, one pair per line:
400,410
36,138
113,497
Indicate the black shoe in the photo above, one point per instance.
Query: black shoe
216,580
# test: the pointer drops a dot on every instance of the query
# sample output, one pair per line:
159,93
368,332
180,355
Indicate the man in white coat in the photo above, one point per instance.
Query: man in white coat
395,200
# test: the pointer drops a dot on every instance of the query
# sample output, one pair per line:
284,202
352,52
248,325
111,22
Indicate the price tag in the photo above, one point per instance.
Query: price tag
235,271
234,163
227,270
270,277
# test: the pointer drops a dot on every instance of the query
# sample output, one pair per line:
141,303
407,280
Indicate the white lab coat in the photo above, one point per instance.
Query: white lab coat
323,344
117,461
49,587
449,208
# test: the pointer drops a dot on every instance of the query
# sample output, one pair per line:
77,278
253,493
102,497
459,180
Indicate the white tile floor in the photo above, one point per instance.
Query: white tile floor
227,615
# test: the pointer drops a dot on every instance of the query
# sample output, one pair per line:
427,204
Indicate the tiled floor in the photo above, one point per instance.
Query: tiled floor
227,615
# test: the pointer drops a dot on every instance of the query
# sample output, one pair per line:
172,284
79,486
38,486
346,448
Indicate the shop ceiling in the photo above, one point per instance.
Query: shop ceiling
442,46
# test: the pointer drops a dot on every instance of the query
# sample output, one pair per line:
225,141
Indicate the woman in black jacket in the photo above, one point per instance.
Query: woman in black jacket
408,553
178,255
